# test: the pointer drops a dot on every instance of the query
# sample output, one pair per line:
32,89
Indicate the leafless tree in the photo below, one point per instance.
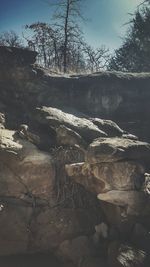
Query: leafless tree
10,38
42,38
96,59
67,15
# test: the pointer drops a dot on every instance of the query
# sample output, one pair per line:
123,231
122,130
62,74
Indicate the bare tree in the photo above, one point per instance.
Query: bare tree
42,38
10,38
96,59
67,16
61,45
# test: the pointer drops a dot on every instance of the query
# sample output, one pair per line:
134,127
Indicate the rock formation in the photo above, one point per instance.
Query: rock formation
70,184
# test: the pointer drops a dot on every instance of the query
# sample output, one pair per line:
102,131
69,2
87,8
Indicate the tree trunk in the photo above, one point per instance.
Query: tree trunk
66,36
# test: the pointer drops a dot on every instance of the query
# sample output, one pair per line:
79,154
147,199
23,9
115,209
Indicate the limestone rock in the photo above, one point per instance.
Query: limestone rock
112,95
108,126
52,226
32,218
76,249
141,236
132,201
2,120
130,136
66,136
147,183
82,174
101,230
16,56
2,126
115,183
116,149
24,169
14,228
120,255
124,175
112,171
56,117
7,142
24,133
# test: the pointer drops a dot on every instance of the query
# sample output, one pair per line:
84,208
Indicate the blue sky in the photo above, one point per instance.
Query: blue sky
104,25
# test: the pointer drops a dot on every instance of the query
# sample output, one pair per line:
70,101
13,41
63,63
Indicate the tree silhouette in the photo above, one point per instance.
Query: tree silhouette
10,38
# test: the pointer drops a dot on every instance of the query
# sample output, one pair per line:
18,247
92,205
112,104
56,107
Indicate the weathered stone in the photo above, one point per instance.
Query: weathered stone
66,136
141,236
147,184
120,255
114,182
24,169
108,126
132,201
139,231
52,226
2,120
14,229
118,180
76,249
28,184
81,173
2,126
130,136
55,117
125,175
116,149
112,95
12,56
101,231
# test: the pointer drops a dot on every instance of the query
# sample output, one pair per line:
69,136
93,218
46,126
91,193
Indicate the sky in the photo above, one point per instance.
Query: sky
104,25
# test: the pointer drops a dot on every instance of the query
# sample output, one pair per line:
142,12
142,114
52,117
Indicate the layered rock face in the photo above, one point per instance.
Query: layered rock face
123,98
70,184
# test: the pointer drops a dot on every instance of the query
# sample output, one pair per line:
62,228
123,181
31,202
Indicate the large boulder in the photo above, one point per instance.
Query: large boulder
25,171
55,118
33,218
116,183
120,255
114,170
117,149
15,56
133,202
125,175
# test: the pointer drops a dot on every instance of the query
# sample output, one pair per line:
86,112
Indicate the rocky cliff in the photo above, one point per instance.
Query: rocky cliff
123,98
71,184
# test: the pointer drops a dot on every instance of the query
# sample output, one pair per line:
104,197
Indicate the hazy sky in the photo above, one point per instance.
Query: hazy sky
105,24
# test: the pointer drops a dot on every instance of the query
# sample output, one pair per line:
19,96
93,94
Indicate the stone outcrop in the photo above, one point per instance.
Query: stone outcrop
123,255
114,168
121,97
71,183
81,126
13,56
32,216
